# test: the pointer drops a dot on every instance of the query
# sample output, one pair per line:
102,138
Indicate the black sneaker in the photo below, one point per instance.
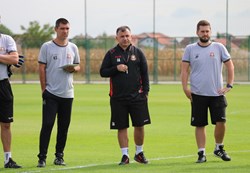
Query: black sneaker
222,153
125,160
201,157
59,161
140,158
12,164
41,163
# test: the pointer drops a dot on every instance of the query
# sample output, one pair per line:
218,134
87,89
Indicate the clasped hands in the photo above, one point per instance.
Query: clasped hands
122,68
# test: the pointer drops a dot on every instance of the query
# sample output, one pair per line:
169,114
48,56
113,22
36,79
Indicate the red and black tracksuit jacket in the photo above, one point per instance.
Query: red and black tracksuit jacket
125,86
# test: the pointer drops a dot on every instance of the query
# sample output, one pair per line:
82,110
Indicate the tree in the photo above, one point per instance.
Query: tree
103,41
35,35
5,30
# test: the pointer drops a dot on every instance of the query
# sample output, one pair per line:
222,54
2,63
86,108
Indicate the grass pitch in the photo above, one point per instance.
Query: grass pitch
92,147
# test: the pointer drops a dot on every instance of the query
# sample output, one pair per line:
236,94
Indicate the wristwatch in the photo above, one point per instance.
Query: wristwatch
229,86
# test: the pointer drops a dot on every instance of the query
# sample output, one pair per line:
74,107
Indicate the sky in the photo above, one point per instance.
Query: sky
174,18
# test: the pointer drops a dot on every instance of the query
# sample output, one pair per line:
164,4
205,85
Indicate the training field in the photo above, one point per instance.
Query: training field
92,147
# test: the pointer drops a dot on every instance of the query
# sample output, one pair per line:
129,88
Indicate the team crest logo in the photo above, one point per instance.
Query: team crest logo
211,54
2,50
68,56
133,57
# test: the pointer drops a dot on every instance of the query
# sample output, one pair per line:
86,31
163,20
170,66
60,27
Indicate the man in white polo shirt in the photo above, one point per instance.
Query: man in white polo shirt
58,60
205,60
8,56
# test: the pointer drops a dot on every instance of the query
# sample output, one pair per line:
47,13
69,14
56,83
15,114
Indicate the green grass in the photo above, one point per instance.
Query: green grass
92,147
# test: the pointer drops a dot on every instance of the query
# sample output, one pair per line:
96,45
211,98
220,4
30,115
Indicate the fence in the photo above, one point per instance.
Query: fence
164,60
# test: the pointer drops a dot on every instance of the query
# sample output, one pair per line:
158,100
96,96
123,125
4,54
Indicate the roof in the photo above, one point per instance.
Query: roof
161,38
224,42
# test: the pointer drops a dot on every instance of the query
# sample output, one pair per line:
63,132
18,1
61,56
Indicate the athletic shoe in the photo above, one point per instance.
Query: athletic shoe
11,164
41,163
59,161
201,157
140,158
222,153
125,160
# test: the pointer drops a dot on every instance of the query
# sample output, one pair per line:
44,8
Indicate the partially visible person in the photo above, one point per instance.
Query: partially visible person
58,60
126,66
205,61
8,56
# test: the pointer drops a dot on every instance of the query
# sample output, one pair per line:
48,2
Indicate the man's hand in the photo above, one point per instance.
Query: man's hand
188,94
223,91
20,61
122,68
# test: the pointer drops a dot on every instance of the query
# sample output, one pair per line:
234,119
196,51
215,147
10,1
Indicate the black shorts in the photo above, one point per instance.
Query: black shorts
136,108
201,105
6,102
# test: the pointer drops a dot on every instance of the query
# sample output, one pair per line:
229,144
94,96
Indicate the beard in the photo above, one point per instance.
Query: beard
204,40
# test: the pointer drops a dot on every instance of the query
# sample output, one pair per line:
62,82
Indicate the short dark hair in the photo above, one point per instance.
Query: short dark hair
202,23
122,29
61,20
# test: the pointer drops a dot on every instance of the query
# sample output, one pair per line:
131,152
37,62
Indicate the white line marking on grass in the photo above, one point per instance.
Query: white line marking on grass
112,163
173,157
84,166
